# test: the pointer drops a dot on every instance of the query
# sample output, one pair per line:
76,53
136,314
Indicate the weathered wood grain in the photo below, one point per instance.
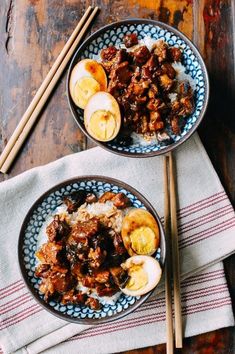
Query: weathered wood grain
214,35
33,33
215,39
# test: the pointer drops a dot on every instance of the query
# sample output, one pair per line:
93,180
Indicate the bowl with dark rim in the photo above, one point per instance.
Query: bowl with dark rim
112,34
29,239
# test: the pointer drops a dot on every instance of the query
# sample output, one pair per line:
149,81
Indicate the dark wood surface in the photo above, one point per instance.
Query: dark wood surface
32,34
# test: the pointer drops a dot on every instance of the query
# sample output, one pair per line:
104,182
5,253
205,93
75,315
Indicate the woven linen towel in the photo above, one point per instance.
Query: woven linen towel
206,235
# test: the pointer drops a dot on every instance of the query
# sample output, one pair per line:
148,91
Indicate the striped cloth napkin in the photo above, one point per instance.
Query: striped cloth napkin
206,232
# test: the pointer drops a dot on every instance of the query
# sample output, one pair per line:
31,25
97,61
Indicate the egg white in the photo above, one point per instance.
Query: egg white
79,71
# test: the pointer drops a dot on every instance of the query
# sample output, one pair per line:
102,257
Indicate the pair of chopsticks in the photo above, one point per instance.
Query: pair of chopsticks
170,223
29,118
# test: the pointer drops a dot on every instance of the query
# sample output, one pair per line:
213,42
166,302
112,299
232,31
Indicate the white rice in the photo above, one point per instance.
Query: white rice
140,139
96,209
172,96
181,75
106,300
148,41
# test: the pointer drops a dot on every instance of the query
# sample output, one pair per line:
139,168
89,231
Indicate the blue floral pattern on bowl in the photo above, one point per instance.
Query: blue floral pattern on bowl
28,244
113,35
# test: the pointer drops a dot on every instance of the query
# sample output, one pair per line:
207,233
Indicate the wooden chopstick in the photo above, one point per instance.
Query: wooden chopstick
169,320
175,255
31,114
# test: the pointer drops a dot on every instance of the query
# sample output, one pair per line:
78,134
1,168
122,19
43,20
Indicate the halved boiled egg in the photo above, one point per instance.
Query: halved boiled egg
144,272
140,232
87,78
102,116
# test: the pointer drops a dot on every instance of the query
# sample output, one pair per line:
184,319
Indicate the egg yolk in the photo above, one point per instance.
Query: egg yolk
143,240
84,89
138,278
103,125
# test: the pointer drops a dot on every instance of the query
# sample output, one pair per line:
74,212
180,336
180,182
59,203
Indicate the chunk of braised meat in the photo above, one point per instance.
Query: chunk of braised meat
155,115
175,125
130,39
136,73
115,259
62,281
152,63
156,104
75,200
121,56
101,276
96,257
78,269
121,201
105,291
142,125
175,54
50,253
59,268
153,91
136,117
56,282
106,196
118,244
109,53
138,105
184,104
146,73
115,88
141,55
168,69
41,270
160,48
156,122
101,240
84,229
93,303
187,106
88,281
120,276
138,88
74,297
46,287
165,82
71,206
149,68
184,89
156,125
77,250
107,65
57,229
121,72
91,198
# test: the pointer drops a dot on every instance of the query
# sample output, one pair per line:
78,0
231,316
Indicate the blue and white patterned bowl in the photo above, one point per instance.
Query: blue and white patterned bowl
112,35
28,239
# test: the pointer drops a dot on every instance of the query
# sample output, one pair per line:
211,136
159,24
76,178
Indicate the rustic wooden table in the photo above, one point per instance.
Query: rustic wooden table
34,32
